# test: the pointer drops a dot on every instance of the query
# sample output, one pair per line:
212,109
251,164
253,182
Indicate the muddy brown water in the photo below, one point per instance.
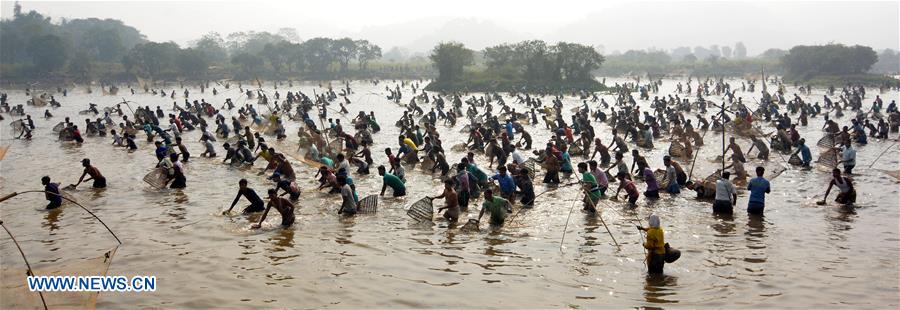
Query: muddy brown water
799,255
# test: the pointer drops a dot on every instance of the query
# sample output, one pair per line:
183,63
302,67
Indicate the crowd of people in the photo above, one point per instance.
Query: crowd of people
496,160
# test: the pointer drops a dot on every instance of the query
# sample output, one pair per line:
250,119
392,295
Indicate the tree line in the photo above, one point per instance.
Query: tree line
530,64
32,46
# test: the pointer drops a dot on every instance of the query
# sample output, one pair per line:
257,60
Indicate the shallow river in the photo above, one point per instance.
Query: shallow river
799,255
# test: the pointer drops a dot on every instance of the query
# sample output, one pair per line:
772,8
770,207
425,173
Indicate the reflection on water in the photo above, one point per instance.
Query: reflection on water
51,220
724,224
797,256
660,289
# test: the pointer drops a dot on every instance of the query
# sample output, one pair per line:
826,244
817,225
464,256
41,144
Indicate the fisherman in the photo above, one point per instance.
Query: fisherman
177,172
847,194
603,150
592,192
496,206
288,186
451,202
758,188
655,245
736,150
393,181
256,204
284,207
552,164
526,188
99,180
600,176
848,159
51,193
639,161
805,154
209,149
507,184
464,181
672,185
626,183
726,196
761,148
652,185
348,197
185,155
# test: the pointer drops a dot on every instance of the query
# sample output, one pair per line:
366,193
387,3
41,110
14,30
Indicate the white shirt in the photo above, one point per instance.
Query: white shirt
344,165
724,190
671,175
850,156
517,158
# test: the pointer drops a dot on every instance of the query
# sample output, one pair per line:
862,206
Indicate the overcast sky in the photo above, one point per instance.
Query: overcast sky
418,24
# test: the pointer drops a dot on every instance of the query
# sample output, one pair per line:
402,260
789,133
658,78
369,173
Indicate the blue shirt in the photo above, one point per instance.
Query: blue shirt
507,185
509,130
566,162
54,195
804,152
161,151
758,187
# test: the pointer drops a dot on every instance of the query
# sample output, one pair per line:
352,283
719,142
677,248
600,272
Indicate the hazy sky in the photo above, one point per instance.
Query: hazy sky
419,24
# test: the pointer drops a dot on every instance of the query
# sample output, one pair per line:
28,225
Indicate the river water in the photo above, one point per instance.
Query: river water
799,255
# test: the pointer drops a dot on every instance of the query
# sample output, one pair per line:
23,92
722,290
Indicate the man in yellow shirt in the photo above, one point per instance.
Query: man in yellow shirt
655,245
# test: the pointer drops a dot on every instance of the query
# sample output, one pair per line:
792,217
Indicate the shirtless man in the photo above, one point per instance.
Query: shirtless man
99,180
451,203
284,206
736,149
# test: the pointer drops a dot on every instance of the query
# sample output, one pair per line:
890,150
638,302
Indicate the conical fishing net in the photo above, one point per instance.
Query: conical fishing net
422,210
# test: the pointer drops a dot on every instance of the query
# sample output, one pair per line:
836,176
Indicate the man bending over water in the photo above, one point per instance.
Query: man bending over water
284,207
99,180
256,204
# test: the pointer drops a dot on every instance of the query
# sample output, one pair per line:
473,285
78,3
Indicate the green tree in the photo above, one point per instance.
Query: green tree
100,39
533,56
832,59
80,67
317,54
48,53
576,61
213,47
192,62
151,59
344,49
276,55
449,58
366,52
499,56
249,64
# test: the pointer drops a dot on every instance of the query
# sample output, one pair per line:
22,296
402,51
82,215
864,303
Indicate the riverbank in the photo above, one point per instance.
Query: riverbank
15,76
876,80
483,81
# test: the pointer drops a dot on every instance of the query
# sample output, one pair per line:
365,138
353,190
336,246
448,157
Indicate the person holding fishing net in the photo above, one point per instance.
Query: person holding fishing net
805,154
256,204
846,194
451,202
392,181
93,172
284,207
496,206
506,182
655,245
51,193
592,190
